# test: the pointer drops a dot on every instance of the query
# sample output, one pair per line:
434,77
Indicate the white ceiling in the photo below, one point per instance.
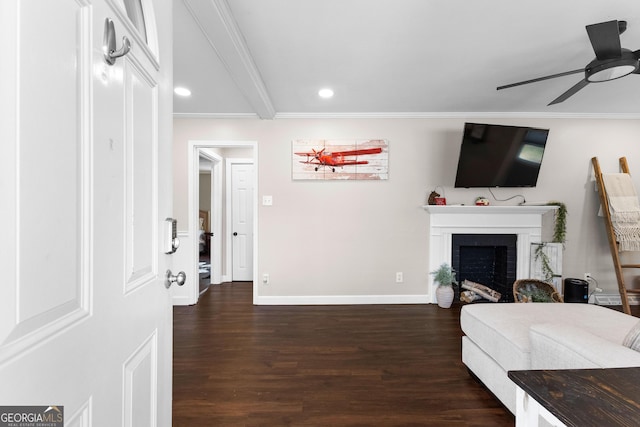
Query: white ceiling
397,57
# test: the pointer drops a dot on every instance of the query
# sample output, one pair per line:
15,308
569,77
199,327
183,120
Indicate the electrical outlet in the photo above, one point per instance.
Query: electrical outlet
265,279
399,277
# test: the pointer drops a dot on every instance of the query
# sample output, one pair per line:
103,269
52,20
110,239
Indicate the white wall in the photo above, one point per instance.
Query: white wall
344,241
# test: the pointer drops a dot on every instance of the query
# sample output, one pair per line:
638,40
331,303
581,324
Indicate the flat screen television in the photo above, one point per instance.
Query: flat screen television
500,156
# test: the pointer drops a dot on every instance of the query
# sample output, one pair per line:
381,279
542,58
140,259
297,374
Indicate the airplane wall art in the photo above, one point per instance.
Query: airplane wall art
325,159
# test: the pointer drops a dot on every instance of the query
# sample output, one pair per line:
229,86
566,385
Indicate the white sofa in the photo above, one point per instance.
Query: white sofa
503,337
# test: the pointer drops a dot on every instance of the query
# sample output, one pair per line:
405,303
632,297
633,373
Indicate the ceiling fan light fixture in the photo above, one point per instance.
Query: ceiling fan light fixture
612,60
603,71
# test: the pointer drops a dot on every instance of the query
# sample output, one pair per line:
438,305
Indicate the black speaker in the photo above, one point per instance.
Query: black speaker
576,290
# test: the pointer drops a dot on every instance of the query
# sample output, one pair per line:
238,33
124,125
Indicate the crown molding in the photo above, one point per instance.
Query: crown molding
412,115
458,115
215,116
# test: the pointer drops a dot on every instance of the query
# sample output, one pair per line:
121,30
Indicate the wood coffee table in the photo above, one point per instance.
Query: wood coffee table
578,397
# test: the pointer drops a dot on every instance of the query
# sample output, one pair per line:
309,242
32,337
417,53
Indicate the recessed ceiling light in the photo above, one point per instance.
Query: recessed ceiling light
182,91
325,93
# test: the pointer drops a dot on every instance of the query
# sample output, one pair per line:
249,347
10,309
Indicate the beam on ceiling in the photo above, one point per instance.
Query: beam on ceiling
216,21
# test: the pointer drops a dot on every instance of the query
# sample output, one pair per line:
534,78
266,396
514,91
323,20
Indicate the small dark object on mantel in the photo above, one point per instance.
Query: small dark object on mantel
432,198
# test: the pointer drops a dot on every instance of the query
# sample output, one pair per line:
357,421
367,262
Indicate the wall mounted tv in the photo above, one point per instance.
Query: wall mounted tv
500,156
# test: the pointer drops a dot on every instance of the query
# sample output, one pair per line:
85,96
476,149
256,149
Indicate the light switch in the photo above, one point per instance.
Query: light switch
267,200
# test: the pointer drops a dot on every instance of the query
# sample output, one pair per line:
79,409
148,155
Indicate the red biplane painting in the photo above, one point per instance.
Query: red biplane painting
340,159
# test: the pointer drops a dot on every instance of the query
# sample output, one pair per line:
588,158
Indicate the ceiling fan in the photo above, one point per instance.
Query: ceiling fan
612,60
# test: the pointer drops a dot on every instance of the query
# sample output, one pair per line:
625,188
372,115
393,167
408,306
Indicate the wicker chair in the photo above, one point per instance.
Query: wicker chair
532,290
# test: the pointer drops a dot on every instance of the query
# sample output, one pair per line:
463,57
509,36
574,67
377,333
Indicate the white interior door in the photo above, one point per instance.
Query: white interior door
215,219
85,318
242,220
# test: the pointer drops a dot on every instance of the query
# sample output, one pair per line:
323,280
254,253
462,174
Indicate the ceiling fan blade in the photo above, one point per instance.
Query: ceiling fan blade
581,84
605,39
539,79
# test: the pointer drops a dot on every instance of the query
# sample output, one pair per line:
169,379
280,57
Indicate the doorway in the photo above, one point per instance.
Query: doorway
217,156
208,216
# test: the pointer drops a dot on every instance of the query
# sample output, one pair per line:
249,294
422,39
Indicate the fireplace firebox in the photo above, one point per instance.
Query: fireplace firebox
488,259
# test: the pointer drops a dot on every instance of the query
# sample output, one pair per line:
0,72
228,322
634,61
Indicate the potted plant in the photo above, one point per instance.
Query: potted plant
445,277
559,237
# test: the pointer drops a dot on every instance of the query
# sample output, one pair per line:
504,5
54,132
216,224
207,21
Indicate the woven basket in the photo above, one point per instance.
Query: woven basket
532,290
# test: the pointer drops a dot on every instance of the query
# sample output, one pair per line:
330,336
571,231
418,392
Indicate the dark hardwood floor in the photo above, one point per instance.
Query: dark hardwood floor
236,364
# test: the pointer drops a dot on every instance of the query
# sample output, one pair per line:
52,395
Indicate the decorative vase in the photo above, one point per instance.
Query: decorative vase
444,296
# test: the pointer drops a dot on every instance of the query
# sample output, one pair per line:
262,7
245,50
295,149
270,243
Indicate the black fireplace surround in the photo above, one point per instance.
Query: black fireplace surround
488,259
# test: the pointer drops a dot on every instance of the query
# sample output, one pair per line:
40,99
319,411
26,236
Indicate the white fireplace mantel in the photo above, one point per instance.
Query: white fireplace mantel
445,221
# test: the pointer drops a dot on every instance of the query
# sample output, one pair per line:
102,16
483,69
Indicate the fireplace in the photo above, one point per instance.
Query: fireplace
523,222
488,259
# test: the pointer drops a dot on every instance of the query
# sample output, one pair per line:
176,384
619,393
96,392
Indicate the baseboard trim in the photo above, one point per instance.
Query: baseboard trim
342,299
614,299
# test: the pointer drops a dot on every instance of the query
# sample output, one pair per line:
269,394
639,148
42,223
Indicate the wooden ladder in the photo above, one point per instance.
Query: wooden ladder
613,244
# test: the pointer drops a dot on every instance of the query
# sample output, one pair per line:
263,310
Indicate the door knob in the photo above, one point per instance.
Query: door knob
109,43
178,279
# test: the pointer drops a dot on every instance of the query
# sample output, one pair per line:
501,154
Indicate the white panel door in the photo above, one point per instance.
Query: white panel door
242,221
85,318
